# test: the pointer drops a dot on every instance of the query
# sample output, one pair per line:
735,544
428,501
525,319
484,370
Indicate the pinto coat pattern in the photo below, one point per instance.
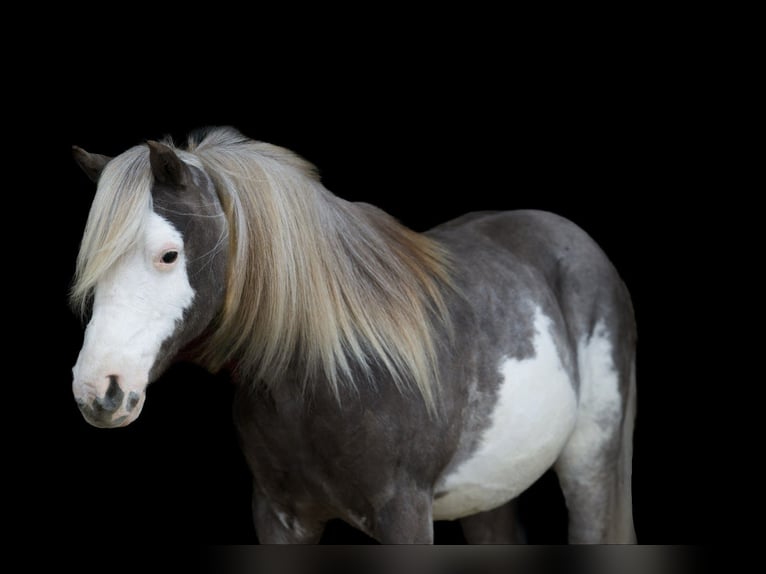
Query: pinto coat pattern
385,377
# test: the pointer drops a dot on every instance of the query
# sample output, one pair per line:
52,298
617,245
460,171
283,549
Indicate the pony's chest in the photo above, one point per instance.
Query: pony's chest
532,419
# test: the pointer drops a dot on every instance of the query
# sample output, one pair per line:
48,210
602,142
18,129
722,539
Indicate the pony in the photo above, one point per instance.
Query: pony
385,377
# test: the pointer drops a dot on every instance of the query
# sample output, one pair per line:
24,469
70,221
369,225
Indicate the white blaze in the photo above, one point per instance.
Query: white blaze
135,308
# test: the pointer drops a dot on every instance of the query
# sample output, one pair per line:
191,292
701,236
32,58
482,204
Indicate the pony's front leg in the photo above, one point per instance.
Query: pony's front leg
276,526
406,519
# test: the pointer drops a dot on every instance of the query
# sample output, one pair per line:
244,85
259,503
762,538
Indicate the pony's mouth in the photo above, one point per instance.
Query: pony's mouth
96,415
106,423
114,423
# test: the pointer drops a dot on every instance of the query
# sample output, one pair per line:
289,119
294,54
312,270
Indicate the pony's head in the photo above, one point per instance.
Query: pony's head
148,274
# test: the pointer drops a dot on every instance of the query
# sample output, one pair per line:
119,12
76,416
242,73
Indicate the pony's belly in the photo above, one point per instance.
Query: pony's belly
532,420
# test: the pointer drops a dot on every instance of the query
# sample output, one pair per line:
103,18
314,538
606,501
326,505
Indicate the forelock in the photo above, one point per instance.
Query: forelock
117,219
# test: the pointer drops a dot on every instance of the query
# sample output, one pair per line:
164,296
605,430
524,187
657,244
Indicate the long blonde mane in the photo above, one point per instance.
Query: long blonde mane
316,286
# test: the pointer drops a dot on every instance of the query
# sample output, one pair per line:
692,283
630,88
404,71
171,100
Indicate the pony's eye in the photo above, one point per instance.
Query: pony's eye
169,257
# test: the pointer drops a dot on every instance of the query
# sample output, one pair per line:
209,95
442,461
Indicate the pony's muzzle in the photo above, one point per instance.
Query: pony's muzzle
112,409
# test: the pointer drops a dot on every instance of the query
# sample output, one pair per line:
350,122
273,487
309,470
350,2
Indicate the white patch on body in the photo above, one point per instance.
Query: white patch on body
600,401
599,413
135,308
532,420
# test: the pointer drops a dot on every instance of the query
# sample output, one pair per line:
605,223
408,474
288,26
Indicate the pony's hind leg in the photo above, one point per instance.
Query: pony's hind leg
497,526
594,472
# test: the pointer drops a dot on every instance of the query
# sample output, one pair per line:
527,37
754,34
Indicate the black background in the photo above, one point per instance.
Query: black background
604,139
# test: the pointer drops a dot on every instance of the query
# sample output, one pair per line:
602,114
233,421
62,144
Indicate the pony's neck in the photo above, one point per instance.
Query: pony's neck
334,290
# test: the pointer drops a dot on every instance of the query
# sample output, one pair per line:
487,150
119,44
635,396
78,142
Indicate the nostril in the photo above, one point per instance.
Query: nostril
80,402
133,399
113,397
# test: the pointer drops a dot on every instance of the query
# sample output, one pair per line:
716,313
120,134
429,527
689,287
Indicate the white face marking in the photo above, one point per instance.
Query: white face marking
135,308
531,422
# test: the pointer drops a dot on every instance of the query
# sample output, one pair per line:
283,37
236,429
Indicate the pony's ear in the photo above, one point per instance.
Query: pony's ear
167,167
91,163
